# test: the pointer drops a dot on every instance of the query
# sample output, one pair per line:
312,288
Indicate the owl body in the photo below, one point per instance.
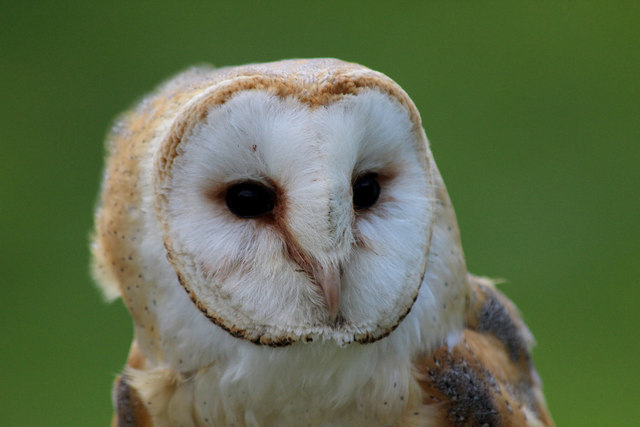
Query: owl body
287,249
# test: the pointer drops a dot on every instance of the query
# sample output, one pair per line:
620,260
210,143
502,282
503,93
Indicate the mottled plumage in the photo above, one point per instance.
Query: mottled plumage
325,308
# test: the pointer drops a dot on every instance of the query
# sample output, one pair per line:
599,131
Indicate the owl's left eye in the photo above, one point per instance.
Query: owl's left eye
366,191
249,199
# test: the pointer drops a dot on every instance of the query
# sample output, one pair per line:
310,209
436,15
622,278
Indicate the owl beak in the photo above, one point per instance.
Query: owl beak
329,281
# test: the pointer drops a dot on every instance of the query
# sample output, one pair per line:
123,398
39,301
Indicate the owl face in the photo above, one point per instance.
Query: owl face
288,222
293,201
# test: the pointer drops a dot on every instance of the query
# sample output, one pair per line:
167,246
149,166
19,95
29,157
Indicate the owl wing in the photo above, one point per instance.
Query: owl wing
130,410
488,378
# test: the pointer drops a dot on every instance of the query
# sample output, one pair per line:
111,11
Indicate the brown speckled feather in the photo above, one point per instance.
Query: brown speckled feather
488,378
130,410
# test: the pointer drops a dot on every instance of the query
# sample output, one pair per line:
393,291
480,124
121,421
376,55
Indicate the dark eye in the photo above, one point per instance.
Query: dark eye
249,199
366,191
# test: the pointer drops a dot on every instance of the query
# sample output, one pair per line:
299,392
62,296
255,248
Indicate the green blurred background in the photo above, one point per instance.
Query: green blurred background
532,109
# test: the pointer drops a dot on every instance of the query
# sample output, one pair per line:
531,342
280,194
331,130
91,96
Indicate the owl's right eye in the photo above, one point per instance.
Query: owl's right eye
250,199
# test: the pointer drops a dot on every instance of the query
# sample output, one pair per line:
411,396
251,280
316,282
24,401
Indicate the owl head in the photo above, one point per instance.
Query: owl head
286,202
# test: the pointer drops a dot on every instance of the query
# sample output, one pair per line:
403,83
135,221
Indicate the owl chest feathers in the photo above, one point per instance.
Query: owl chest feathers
308,385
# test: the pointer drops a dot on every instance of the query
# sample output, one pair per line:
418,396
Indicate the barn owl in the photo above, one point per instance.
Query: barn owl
285,244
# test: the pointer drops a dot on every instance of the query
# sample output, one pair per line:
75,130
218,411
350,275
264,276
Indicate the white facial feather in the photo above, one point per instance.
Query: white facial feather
313,157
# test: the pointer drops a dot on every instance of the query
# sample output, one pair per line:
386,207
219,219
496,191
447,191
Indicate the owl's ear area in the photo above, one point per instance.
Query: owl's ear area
101,269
